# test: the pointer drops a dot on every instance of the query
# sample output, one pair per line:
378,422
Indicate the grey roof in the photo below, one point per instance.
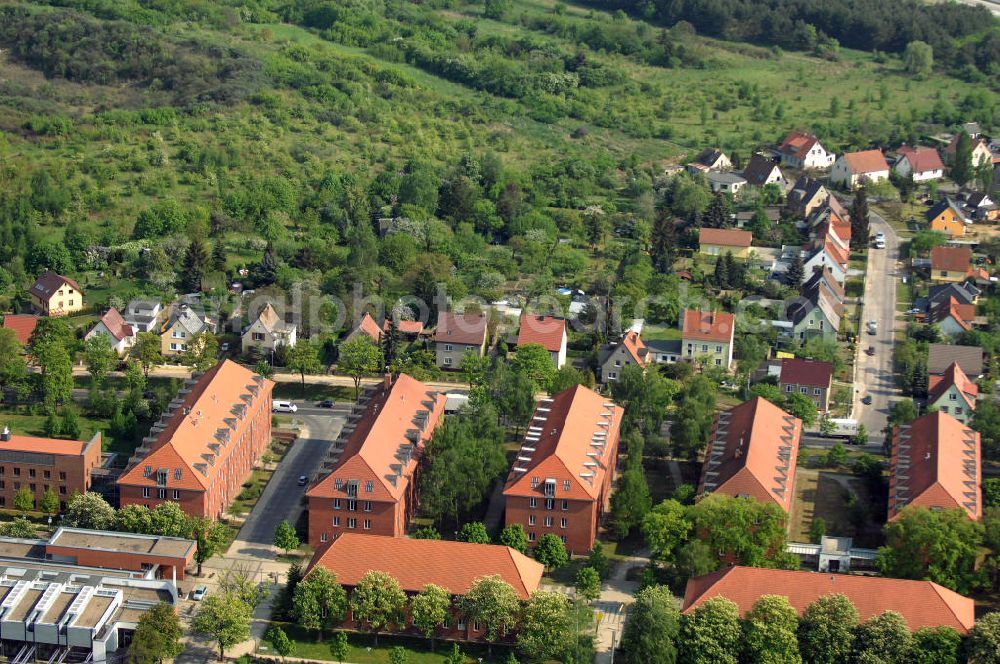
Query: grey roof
969,358
664,346
142,306
964,293
709,156
758,169
724,178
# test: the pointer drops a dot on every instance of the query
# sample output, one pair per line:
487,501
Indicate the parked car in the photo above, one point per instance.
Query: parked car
326,403
199,592
867,400
303,480
870,350
279,406
224,346
873,327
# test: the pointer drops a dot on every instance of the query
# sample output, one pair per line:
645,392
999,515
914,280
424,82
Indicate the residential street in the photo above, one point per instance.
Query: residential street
874,372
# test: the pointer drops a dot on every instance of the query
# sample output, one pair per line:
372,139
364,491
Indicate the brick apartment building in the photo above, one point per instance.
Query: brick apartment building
453,566
200,453
751,453
371,487
561,479
936,463
40,463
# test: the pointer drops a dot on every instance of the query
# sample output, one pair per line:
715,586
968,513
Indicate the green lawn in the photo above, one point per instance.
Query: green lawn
27,424
363,650
313,392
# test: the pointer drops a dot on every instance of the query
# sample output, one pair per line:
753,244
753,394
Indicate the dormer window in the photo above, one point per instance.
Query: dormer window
147,471
177,473
550,487
161,478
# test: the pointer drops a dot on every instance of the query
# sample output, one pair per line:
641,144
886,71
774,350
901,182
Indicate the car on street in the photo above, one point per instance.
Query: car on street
303,480
867,400
279,406
199,592
870,350
326,403
873,327
880,240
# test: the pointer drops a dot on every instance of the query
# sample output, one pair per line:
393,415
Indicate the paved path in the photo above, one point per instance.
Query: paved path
874,373
616,594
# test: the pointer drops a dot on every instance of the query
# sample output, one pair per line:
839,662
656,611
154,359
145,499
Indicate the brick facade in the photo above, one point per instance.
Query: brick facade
40,463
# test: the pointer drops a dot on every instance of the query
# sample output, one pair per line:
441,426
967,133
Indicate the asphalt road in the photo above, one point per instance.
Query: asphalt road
874,373
282,498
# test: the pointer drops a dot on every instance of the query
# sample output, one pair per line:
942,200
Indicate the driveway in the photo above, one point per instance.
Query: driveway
874,375
282,497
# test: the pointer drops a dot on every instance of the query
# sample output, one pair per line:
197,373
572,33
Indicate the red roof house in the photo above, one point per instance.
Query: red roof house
951,392
560,482
921,603
368,327
751,453
935,463
921,164
546,331
22,325
708,334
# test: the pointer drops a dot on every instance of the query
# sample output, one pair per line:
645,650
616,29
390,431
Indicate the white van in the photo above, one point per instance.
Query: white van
278,406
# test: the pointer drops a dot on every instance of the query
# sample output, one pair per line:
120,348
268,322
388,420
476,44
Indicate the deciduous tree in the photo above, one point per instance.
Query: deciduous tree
514,536
49,504
630,502
24,500
318,601
359,357
158,636
826,633
665,529
770,631
883,639
210,536
475,532
99,357
652,627
494,604
711,634
936,645
304,358
588,583
720,521
89,510
225,619
429,609
533,362
545,633
280,642
550,551
202,351
378,601
984,640
285,537
147,351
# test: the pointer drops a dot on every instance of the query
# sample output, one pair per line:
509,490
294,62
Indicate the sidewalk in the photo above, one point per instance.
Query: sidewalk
616,595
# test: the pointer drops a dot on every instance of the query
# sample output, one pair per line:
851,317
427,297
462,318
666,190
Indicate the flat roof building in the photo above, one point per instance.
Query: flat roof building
560,483
168,556
37,464
371,485
203,449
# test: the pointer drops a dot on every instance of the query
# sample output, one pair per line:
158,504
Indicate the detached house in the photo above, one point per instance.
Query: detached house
725,183
951,317
950,264
560,482
806,195
953,393
368,327
922,164
940,357
936,464
23,325
802,150
817,313
751,454
120,335
947,217
268,332
143,314
719,241
55,295
456,334
184,323
981,153
761,171
826,255
709,335
547,331
710,159
616,356
811,378
855,168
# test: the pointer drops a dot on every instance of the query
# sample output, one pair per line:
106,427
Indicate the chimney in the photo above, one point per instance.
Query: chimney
5,435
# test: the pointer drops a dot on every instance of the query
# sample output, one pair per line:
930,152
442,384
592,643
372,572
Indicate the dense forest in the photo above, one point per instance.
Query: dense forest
962,36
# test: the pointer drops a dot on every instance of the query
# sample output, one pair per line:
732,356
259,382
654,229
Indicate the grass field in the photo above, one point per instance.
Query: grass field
820,493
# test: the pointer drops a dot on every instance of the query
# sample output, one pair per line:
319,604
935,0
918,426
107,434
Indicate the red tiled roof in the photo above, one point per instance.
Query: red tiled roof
194,431
953,376
378,446
116,325
866,161
725,237
921,603
46,445
950,308
368,327
921,160
404,326
50,282
636,347
798,371
942,466
22,324
565,436
414,563
951,259
708,325
797,144
752,452
548,331
468,329
837,253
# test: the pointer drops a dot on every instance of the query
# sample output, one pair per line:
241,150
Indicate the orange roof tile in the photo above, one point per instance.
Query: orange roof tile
953,376
116,325
866,161
798,144
951,259
387,441
572,437
752,452
404,326
549,331
921,603
198,431
921,160
22,324
464,328
46,445
935,463
950,308
799,371
636,347
454,566
368,327
725,237
708,325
